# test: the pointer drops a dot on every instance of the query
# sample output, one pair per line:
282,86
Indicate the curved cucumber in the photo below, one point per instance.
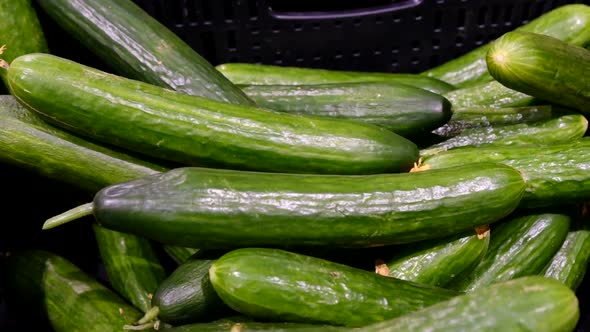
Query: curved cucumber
519,247
66,295
137,46
570,23
277,285
403,109
489,94
259,74
543,67
570,263
438,262
531,303
191,130
554,173
198,207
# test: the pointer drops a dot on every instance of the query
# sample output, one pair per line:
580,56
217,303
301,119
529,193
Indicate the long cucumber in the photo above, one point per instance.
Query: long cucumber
570,263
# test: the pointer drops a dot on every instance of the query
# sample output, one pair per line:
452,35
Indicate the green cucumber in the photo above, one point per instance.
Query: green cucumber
180,254
570,263
570,23
254,327
403,109
278,285
132,266
564,128
531,303
20,31
137,46
438,262
488,94
192,130
68,297
554,173
216,208
261,74
520,246
542,67
493,117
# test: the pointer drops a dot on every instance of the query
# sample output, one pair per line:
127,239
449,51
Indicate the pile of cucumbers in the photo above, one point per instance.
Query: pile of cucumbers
251,197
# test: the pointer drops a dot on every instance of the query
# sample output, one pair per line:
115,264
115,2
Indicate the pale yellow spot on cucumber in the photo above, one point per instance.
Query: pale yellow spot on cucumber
236,327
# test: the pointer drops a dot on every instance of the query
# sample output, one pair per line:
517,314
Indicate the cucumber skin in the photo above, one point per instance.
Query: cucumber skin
214,208
278,285
260,74
543,67
437,263
191,130
570,263
403,109
569,23
137,46
20,31
530,303
554,173
519,247
70,299
179,254
254,327
488,94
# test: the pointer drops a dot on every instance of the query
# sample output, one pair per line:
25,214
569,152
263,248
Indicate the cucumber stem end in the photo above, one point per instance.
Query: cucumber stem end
75,213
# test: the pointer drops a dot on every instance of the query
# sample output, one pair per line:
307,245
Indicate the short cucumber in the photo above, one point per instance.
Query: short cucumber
215,208
20,31
180,254
254,327
530,303
278,285
488,94
520,246
403,109
137,46
192,130
554,173
69,298
564,128
542,67
570,23
261,74
438,262
570,263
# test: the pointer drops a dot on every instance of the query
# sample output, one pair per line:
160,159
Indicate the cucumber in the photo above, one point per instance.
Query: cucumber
570,263
554,173
192,130
438,262
137,46
493,117
20,32
261,74
570,23
278,285
215,208
564,128
180,254
488,94
520,246
530,303
403,109
132,266
254,327
68,297
543,67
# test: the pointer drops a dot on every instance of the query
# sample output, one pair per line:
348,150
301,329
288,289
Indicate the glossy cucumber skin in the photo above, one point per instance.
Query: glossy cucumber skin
438,262
278,285
493,117
570,23
570,263
179,254
530,303
488,94
554,173
565,128
137,46
132,266
254,327
401,108
70,299
519,247
215,208
20,31
543,67
192,130
260,74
